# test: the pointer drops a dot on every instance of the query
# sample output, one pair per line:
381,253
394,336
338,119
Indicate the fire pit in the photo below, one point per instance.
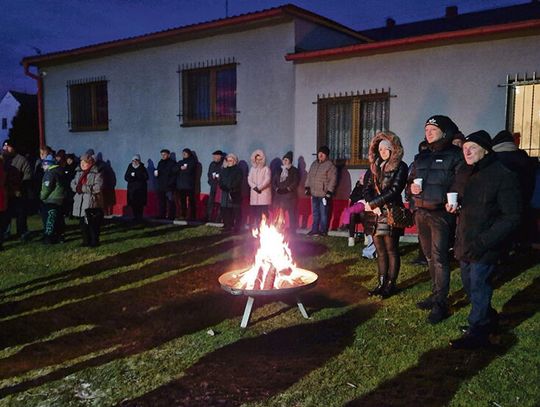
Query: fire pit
272,273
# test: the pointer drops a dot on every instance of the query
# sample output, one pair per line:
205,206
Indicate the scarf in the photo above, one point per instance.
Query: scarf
284,173
82,181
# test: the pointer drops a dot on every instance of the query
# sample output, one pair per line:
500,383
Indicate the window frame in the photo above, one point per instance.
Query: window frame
356,99
98,104
214,119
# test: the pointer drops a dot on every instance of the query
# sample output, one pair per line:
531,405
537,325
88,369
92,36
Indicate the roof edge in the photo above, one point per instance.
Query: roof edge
421,40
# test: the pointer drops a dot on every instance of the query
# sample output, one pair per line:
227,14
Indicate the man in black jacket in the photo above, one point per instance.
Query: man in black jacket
166,177
185,183
430,178
213,180
490,207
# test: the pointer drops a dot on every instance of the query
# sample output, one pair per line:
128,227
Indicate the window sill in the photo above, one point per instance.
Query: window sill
213,123
86,130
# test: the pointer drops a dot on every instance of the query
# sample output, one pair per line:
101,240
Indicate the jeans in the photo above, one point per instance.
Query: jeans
320,214
477,285
434,229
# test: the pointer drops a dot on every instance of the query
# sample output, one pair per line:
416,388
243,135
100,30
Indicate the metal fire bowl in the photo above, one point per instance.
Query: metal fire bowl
229,279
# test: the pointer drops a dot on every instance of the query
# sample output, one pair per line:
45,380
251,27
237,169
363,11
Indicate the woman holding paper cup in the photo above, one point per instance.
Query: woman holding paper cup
381,191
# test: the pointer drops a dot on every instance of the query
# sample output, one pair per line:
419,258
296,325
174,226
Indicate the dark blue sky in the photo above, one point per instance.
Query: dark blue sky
27,26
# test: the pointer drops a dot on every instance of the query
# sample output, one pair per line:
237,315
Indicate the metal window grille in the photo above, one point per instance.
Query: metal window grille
348,122
88,104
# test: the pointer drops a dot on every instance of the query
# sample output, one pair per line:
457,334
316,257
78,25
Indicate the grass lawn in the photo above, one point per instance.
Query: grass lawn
142,321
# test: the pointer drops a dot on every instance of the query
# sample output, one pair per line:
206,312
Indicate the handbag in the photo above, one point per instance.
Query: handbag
397,216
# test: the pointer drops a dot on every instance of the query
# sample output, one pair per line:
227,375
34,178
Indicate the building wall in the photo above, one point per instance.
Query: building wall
144,101
460,81
8,110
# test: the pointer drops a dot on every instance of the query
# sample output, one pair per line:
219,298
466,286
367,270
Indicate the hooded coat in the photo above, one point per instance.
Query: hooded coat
92,191
383,189
259,176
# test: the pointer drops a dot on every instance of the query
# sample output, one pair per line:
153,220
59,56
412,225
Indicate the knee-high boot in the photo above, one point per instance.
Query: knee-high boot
85,232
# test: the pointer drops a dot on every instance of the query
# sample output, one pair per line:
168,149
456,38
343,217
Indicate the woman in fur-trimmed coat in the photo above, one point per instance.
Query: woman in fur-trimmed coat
381,191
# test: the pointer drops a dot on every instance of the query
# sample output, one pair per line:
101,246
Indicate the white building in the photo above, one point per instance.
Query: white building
9,107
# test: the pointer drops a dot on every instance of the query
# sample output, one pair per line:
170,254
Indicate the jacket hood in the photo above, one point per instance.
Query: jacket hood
258,152
505,147
395,157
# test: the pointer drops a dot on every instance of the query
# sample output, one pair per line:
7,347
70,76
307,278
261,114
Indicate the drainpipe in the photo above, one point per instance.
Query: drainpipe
39,81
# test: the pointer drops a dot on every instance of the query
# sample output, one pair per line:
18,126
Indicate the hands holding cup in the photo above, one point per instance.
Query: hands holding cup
416,186
156,173
452,202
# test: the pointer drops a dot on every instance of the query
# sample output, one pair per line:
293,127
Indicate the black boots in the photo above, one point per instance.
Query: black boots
379,288
389,289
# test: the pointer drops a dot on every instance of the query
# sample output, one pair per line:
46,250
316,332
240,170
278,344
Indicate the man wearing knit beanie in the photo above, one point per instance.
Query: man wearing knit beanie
433,174
489,210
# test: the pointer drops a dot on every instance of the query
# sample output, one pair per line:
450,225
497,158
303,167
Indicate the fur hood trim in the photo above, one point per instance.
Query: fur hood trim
258,152
374,157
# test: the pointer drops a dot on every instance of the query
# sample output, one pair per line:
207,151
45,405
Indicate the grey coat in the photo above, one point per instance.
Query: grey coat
92,192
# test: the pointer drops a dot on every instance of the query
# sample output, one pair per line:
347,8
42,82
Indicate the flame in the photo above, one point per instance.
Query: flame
273,266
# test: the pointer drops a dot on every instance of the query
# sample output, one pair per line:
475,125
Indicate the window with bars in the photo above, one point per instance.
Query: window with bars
346,124
88,105
209,95
523,112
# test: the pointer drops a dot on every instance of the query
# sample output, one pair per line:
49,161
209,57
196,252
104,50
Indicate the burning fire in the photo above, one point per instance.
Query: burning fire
274,267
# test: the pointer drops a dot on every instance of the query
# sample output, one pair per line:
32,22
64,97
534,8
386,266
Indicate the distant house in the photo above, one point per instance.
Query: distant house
287,79
11,104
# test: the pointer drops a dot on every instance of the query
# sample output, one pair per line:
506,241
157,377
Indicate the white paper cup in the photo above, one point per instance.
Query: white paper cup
452,198
155,173
418,181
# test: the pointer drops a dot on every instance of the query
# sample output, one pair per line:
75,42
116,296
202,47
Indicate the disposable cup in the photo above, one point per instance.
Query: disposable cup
418,181
155,173
452,198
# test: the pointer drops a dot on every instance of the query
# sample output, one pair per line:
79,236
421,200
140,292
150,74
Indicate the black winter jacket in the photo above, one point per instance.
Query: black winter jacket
490,210
230,182
186,172
286,192
166,179
136,179
437,169
390,184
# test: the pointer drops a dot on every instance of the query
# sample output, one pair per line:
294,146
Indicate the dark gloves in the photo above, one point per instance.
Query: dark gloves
307,191
256,189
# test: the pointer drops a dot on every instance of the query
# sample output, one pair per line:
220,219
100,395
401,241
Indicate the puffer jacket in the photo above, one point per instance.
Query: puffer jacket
321,178
186,173
438,169
92,191
230,182
137,184
259,176
490,210
388,180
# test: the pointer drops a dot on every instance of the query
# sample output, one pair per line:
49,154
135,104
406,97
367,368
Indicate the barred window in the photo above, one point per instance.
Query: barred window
88,105
209,95
523,112
348,123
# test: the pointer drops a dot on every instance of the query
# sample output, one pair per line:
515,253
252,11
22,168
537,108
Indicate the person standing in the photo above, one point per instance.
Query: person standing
435,170
137,186
212,206
382,191
230,182
20,184
321,184
88,199
259,180
166,179
185,184
285,187
488,212
52,195
3,201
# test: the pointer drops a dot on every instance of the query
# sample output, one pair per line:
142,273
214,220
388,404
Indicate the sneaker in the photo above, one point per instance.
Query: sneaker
469,341
437,314
425,304
312,233
351,241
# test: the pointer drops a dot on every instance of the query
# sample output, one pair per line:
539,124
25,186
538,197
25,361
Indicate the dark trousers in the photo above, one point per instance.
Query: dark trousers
167,206
53,221
292,211
434,229
257,211
213,212
232,218
354,220
3,222
320,214
138,210
388,259
18,209
187,199
90,226
476,279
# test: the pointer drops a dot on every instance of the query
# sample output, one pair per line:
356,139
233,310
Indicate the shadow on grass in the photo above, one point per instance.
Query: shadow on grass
440,372
257,368
123,322
107,263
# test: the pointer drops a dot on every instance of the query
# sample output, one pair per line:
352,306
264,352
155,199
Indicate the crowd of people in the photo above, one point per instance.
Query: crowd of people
469,195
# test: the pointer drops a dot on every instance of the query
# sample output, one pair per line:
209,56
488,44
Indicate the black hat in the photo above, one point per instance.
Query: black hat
8,142
503,136
218,152
324,149
447,126
187,150
289,155
165,150
481,138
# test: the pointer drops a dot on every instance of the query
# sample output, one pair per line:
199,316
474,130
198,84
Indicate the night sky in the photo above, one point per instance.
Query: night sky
28,27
